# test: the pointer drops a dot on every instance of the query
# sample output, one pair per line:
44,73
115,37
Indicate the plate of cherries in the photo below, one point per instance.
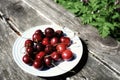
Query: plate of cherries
47,50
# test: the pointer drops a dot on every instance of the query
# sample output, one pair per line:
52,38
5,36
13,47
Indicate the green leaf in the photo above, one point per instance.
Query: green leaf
102,14
74,11
94,23
104,31
116,15
100,19
56,1
78,4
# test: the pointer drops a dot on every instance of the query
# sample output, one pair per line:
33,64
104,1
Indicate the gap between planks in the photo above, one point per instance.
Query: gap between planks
105,64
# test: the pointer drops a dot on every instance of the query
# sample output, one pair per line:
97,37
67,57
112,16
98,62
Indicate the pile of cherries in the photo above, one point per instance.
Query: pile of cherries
46,48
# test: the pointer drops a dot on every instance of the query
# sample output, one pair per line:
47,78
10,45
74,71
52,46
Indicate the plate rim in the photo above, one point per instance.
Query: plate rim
39,28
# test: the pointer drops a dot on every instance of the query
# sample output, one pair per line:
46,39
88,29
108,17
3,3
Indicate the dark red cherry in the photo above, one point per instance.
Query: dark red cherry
46,41
49,32
26,59
38,64
40,47
29,50
48,61
28,43
65,40
40,55
55,56
61,47
38,32
58,33
37,37
67,54
35,47
54,41
49,49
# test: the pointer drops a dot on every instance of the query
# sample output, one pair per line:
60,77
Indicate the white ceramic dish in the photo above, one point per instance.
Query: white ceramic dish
61,68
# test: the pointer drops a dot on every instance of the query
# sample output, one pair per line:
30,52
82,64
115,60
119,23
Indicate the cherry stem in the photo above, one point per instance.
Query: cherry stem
47,55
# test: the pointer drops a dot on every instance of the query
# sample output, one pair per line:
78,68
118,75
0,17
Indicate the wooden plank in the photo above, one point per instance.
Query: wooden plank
26,15
93,70
89,68
8,68
106,49
54,13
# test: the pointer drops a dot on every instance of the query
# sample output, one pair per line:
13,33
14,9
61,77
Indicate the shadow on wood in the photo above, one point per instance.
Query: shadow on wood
76,69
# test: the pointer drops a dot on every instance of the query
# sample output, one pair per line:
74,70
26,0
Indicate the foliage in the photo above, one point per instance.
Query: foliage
102,14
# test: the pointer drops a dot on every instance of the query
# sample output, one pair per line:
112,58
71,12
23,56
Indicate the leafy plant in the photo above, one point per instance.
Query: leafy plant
102,14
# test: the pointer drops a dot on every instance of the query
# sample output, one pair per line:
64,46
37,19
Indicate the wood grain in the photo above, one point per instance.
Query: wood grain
8,68
101,63
106,49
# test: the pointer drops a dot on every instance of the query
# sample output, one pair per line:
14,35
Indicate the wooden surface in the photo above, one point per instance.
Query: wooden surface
101,57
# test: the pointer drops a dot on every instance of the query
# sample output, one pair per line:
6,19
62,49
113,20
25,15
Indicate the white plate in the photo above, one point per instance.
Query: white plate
61,68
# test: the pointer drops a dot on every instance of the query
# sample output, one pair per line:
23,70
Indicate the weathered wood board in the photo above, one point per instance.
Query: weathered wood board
106,49
8,68
102,63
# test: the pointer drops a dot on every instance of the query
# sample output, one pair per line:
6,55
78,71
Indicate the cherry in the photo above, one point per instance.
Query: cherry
37,37
32,55
55,56
29,50
40,55
48,61
38,32
35,47
40,47
46,41
65,40
49,32
67,54
37,64
54,41
26,59
28,43
49,49
61,47
58,33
